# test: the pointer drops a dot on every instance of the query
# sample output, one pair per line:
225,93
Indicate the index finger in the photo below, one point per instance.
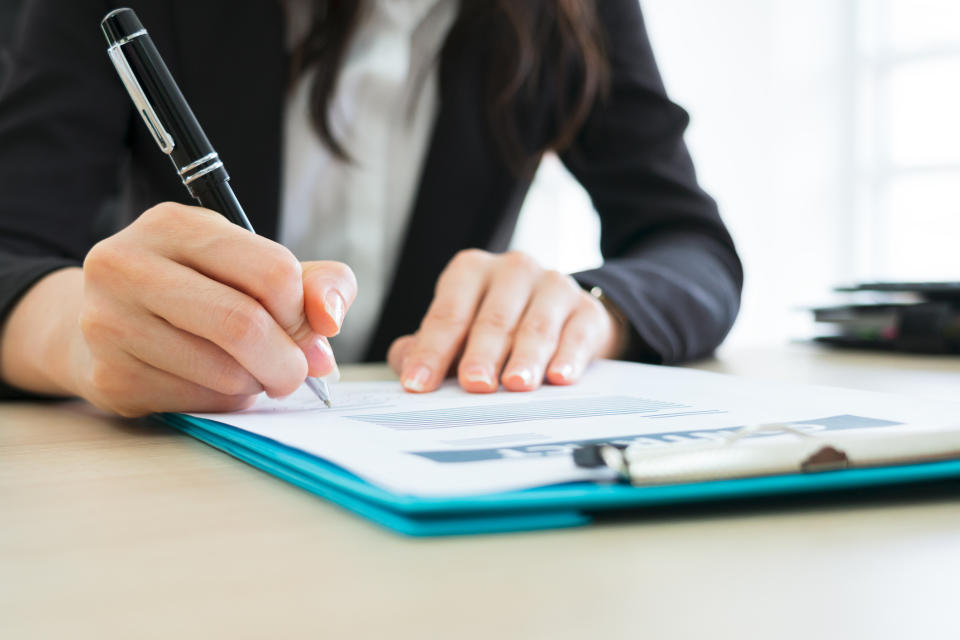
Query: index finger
264,270
445,326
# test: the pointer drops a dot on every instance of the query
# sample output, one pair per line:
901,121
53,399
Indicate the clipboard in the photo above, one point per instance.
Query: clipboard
550,507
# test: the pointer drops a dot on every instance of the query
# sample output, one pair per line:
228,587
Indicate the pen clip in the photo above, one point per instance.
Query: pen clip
160,134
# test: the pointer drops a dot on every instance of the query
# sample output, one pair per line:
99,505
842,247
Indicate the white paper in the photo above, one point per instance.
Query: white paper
451,442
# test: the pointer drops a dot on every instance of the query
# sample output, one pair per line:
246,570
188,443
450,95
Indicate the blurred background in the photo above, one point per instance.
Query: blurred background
8,12
827,130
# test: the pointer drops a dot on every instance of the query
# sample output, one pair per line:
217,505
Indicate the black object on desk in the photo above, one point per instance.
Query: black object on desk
928,321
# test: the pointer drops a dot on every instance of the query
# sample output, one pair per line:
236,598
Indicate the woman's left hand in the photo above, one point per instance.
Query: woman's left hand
504,318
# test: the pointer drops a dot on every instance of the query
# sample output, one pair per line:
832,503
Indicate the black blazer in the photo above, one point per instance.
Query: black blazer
76,162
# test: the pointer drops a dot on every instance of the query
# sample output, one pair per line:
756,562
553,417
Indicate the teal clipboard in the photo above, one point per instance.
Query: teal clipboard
551,507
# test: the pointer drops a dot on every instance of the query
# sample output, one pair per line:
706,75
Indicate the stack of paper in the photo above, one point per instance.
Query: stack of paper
450,451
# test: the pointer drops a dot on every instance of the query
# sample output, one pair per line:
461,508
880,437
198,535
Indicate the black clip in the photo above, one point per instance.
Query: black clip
826,458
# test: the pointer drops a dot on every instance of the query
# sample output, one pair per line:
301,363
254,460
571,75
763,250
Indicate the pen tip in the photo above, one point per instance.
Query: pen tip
319,388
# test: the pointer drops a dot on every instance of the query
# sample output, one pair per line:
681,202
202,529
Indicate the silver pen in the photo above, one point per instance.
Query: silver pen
319,385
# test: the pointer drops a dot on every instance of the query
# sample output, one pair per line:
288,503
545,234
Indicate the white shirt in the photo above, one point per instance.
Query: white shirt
383,111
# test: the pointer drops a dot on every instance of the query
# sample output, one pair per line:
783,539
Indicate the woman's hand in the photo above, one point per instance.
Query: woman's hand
503,318
184,311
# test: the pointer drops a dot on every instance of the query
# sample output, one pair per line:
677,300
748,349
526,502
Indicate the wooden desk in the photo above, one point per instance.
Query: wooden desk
118,528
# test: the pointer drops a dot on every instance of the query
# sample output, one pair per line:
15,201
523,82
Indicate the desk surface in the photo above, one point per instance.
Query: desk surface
119,528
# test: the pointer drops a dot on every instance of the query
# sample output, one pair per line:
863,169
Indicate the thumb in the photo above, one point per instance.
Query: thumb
329,288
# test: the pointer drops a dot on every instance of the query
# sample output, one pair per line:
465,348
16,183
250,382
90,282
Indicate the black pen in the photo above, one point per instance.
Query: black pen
172,124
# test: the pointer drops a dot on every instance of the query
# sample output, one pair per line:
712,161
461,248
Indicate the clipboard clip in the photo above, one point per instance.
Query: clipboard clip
714,459
827,458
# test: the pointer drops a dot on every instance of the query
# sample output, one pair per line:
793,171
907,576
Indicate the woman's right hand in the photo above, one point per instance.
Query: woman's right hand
184,311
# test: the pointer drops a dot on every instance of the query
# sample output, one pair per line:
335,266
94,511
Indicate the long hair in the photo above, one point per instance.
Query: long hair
536,43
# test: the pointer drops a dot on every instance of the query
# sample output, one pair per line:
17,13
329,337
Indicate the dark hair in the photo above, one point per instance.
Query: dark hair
535,43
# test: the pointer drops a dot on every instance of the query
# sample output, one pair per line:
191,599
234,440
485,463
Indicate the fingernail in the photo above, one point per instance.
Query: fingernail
320,356
333,305
324,346
478,374
525,376
565,372
417,379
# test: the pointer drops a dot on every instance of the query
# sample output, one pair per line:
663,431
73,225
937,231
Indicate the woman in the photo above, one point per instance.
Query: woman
398,136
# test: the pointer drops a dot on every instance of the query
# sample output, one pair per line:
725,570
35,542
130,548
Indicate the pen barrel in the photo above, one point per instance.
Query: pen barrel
191,143
168,116
215,194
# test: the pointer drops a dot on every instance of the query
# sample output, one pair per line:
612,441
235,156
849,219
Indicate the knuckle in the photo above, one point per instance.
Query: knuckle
494,321
520,261
96,327
243,322
425,354
449,276
164,214
467,258
103,260
461,266
299,331
283,271
232,380
538,328
446,317
559,279
576,336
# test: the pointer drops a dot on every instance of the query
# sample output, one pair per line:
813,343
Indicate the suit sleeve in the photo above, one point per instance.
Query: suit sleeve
63,122
669,263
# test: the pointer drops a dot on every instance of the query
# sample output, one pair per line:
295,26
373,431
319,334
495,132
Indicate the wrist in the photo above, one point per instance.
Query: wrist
619,341
41,335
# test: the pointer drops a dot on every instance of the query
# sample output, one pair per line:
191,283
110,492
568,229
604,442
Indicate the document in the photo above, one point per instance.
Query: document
453,443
